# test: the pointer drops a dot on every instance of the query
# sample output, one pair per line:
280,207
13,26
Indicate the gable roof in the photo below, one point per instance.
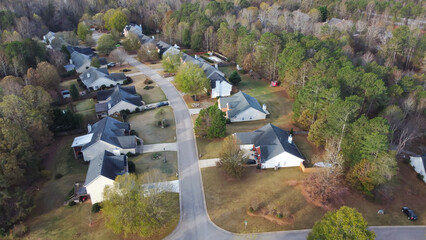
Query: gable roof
162,47
272,141
83,50
92,74
79,59
239,102
113,132
107,165
118,94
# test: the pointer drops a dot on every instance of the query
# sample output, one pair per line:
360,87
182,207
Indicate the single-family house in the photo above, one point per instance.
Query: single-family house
419,165
119,98
242,107
80,59
103,170
94,78
48,37
271,147
107,134
134,28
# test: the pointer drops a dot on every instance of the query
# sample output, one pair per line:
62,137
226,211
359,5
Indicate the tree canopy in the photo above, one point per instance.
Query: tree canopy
232,158
106,44
210,123
191,79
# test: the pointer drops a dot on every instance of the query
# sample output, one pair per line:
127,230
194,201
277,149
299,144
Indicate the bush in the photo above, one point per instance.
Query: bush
137,110
46,173
228,121
125,82
19,230
58,176
126,70
251,209
96,208
72,203
70,194
129,154
103,87
133,132
419,176
132,167
279,215
148,87
148,81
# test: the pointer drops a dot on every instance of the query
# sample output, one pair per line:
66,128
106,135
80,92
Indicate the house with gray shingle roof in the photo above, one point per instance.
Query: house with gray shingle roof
242,107
119,98
94,78
132,28
272,147
419,165
108,134
103,170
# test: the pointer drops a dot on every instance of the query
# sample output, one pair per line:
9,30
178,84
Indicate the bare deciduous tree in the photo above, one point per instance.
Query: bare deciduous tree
118,55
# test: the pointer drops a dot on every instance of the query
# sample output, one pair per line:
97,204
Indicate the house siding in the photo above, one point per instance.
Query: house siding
222,89
96,188
249,114
282,160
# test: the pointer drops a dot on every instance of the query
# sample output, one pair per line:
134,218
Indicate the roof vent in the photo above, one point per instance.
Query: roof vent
196,56
116,152
216,66
89,128
70,61
290,139
264,107
153,37
88,75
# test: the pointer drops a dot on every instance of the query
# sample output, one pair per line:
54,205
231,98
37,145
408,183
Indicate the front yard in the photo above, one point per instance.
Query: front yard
148,161
152,95
146,125
228,200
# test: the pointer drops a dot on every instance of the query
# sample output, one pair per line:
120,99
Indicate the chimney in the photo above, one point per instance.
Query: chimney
70,61
88,75
153,37
290,139
196,57
116,152
89,128
216,66
264,107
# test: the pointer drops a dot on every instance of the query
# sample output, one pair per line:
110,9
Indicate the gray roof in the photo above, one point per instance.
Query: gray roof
92,74
145,39
108,165
79,59
83,50
162,46
272,141
101,107
119,93
113,132
239,102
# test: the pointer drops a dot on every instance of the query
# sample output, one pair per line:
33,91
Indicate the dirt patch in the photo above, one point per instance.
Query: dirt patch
265,214
203,101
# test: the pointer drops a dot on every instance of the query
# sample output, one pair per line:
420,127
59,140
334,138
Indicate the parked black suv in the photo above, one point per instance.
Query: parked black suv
410,213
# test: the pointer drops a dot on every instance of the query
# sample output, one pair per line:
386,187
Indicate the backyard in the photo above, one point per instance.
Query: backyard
152,95
146,125
228,200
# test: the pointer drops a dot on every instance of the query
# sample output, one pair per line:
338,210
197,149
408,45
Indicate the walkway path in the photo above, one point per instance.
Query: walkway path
159,147
195,223
205,163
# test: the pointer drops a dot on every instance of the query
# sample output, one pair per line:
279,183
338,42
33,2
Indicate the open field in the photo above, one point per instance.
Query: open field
146,162
145,124
152,95
228,199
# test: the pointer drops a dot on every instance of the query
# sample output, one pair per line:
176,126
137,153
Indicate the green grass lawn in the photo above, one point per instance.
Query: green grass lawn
228,199
146,162
145,124
67,84
152,95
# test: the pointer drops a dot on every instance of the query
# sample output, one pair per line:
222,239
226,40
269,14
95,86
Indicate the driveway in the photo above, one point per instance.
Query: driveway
195,223
159,147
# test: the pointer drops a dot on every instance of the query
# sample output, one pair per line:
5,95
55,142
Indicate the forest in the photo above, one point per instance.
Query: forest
354,68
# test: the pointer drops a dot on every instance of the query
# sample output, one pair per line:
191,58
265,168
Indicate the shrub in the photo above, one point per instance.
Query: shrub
148,81
132,167
279,215
133,132
129,154
46,173
420,176
148,87
228,121
125,82
72,203
126,70
137,110
103,86
251,209
58,176
19,230
96,208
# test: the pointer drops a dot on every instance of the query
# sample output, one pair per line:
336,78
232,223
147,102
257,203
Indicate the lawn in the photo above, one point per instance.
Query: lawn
118,68
86,108
277,103
152,95
67,84
146,125
146,162
228,199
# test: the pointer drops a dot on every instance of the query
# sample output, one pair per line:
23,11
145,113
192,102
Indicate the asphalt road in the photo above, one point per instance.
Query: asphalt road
194,221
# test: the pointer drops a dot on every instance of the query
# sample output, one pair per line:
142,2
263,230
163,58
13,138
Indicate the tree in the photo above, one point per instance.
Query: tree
74,92
345,223
82,31
131,208
232,158
131,42
118,55
191,79
12,85
148,52
95,62
267,51
118,20
47,77
210,123
106,44
197,42
235,78
226,40
171,63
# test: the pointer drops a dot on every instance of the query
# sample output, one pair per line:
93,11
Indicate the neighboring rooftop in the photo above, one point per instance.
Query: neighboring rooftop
239,102
92,74
107,165
272,141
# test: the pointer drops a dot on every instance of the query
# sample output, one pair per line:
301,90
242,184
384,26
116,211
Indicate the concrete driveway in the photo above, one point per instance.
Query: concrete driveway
159,147
195,223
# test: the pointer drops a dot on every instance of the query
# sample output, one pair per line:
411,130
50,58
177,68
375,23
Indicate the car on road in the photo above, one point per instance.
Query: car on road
410,213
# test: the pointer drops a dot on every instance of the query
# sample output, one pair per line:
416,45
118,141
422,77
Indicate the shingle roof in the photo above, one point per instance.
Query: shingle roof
162,46
239,102
272,141
92,74
127,94
79,59
83,50
101,107
107,165
109,130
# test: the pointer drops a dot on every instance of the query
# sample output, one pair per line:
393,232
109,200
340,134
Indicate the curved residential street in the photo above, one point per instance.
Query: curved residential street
194,222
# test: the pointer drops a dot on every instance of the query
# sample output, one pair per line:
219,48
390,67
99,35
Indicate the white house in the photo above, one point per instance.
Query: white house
242,107
119,98
106,134
94,78
103,170
271,146
419,165
134,28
